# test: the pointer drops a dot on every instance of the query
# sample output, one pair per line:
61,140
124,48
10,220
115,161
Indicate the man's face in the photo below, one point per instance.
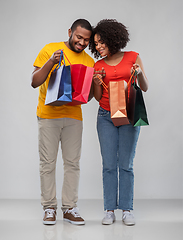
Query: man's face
79,39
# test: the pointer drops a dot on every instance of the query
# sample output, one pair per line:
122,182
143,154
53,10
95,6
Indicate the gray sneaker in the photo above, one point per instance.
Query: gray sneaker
128,218
109,218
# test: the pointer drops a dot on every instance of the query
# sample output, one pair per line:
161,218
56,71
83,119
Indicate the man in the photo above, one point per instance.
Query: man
60,123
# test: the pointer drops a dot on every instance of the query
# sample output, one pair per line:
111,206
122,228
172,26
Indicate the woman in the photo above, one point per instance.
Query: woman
117,144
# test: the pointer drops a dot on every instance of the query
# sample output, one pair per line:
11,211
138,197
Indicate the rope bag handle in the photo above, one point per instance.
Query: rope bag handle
133,75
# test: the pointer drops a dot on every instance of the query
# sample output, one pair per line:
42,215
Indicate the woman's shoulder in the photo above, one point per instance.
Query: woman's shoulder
131,53
99,63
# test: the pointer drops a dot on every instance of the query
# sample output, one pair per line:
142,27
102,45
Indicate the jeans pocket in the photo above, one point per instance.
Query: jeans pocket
102,112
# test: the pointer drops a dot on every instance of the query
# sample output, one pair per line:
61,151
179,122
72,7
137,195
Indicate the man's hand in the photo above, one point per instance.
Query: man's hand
56,56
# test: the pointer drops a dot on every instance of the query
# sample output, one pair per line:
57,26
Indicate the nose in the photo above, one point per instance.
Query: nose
98,46
82,42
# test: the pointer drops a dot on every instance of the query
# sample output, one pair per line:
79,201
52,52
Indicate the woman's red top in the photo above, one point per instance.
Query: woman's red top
122,71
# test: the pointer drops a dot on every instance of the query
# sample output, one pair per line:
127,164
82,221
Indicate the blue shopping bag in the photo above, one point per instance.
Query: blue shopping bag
59,91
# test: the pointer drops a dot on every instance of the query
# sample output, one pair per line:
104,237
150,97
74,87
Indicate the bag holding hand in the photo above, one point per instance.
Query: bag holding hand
59,91
135,105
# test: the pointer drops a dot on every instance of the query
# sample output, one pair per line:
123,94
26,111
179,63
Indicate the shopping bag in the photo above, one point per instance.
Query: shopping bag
136,109
59,91
81,77
117,101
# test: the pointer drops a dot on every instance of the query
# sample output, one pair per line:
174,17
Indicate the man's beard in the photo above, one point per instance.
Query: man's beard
72,47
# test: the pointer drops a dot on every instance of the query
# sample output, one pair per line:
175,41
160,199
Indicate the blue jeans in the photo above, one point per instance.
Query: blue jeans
117,146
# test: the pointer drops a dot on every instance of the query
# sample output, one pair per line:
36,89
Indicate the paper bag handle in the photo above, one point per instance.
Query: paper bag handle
59,64
133,76
62,54
103,84
66,57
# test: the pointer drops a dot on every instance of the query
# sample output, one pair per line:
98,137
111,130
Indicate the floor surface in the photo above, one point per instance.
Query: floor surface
156,220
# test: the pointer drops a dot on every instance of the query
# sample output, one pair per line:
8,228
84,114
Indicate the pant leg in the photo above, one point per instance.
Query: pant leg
128,137
71,140
108,138
49,137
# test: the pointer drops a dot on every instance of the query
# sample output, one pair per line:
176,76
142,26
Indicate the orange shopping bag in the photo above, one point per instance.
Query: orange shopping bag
117,100
118,94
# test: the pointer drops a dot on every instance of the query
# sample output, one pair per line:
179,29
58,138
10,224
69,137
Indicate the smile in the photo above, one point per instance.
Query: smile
79,46
101,51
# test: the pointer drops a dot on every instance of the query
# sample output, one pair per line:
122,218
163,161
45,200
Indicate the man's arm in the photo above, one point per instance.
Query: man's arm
40,75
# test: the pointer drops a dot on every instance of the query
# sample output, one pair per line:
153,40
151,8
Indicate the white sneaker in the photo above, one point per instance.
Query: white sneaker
109,218
128,218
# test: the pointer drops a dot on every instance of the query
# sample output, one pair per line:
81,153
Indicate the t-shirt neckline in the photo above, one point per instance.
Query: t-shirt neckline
116,64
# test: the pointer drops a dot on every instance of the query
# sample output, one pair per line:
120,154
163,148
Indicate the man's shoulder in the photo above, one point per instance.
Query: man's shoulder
53,46
89,57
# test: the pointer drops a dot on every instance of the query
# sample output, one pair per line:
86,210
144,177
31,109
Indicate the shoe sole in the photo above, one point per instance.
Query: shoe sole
129,224
105,223
74,222
49,222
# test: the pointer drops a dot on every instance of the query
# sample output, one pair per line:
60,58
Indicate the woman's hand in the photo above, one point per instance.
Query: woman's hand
137,68
98,76
97,79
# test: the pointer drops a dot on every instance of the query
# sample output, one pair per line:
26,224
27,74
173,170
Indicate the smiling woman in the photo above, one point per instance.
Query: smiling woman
113,33
117,143
100,46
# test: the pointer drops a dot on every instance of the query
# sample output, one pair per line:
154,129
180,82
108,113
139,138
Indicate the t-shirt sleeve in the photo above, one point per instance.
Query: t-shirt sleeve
42,57
134,54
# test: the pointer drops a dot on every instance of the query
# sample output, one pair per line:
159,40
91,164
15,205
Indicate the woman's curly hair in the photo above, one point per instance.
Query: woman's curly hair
113,33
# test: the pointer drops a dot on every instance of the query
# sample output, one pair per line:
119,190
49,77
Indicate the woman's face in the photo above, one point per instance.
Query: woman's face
100,46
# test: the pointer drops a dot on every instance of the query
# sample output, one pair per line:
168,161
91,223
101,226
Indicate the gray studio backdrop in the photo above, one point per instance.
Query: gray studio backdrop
156,33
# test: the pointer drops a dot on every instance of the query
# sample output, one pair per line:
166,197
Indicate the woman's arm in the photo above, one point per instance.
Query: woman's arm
97,87
97,83
91,92
143,82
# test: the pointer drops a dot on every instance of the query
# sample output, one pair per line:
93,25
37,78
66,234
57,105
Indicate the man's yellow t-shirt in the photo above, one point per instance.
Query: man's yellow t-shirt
64,111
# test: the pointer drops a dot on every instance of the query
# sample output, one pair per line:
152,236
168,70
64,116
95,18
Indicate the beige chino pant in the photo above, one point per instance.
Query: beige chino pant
68,131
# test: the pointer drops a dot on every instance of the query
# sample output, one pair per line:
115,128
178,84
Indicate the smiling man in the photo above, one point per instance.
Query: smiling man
60,124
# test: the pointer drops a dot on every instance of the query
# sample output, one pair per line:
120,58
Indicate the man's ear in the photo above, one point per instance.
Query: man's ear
69,32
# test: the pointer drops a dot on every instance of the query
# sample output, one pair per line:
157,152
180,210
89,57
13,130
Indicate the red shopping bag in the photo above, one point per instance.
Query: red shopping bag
81,77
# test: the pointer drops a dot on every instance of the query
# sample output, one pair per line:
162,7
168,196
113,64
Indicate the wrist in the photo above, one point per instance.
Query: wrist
139,72
97,84
52,61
